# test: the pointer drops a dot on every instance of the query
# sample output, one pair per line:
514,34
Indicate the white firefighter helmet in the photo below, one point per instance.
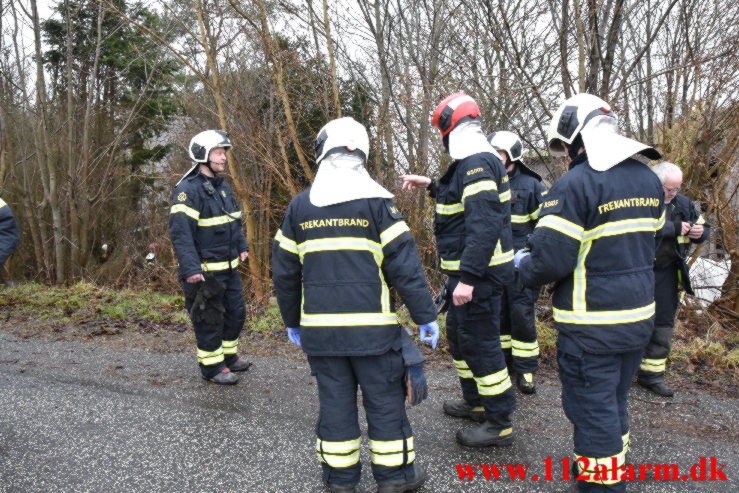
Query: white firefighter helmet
204,142
508,142
342,133
593,119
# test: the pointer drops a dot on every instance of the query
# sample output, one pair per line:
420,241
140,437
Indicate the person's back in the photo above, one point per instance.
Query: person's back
613,214
9,234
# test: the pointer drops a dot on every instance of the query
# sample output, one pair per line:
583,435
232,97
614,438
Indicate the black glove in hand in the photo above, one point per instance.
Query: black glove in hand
415,384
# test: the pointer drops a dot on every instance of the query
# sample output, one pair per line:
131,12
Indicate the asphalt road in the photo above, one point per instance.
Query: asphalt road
78,417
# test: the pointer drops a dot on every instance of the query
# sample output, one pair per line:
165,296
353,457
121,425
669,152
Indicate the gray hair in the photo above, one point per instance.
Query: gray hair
665,169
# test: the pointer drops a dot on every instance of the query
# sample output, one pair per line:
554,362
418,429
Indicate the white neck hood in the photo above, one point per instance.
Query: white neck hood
341,178
467,139
606,148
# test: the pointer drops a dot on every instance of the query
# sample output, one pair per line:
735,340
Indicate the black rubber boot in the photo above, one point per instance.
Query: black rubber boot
486,435
659,387
461,409
525,383
407,485
240,364
224,377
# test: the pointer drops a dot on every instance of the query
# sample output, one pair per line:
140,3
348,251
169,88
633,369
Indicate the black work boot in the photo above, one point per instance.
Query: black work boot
401,486
461,409
659,387
341,488
239,364
525,383
224,377
486,435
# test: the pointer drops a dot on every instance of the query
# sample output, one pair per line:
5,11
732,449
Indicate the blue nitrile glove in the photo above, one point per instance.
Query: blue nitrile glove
415,384
294,335
429,333
519,256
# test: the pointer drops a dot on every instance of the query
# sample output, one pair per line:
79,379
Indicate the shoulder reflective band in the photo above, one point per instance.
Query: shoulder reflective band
338,454
215,221
286,243
505,196
561,225
494,384
699,221
610,317
347,319
477,187
613,228
186,210
212,266
393,232
2,203
447,209
392,453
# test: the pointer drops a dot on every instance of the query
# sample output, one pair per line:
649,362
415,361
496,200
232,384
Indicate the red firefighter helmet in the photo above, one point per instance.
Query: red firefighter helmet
455,109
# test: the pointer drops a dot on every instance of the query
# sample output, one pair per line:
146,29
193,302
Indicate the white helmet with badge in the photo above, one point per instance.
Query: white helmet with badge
593,119
343,133
202,144
509,143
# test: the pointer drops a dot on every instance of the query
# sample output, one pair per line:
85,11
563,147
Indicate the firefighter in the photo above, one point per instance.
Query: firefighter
206,231
340,249
684,226
596,239
9,234
473,239
518,312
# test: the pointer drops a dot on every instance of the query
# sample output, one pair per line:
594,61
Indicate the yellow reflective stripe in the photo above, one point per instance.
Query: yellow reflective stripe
501,258
505,196
338,454
230,347
213,266
505,341
535,214
448,209
524,349
493,384
215,221
626,439
208,358
562,225
603,317
544,193
661,220
683,239
449,264
522,218
463,371
385,292
393,232
477,187
620,227
654,365
505,179
389,446
340,243
700,220
2,203
185,209
579,278
286,243
601,467
347,319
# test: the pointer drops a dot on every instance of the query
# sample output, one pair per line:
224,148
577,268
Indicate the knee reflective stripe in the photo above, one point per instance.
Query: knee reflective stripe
654,365
505,341
392,453
230,347
625,439
463,371
601,470
494,384
209,358
338,454
525,349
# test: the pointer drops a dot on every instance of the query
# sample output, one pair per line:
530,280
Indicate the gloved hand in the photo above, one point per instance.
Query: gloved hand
429,333
415,384
519,256
294,335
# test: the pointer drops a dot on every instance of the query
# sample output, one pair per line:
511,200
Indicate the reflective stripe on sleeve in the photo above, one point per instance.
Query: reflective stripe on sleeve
393,232
448,209
477,187
561,225
286,243
189,211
